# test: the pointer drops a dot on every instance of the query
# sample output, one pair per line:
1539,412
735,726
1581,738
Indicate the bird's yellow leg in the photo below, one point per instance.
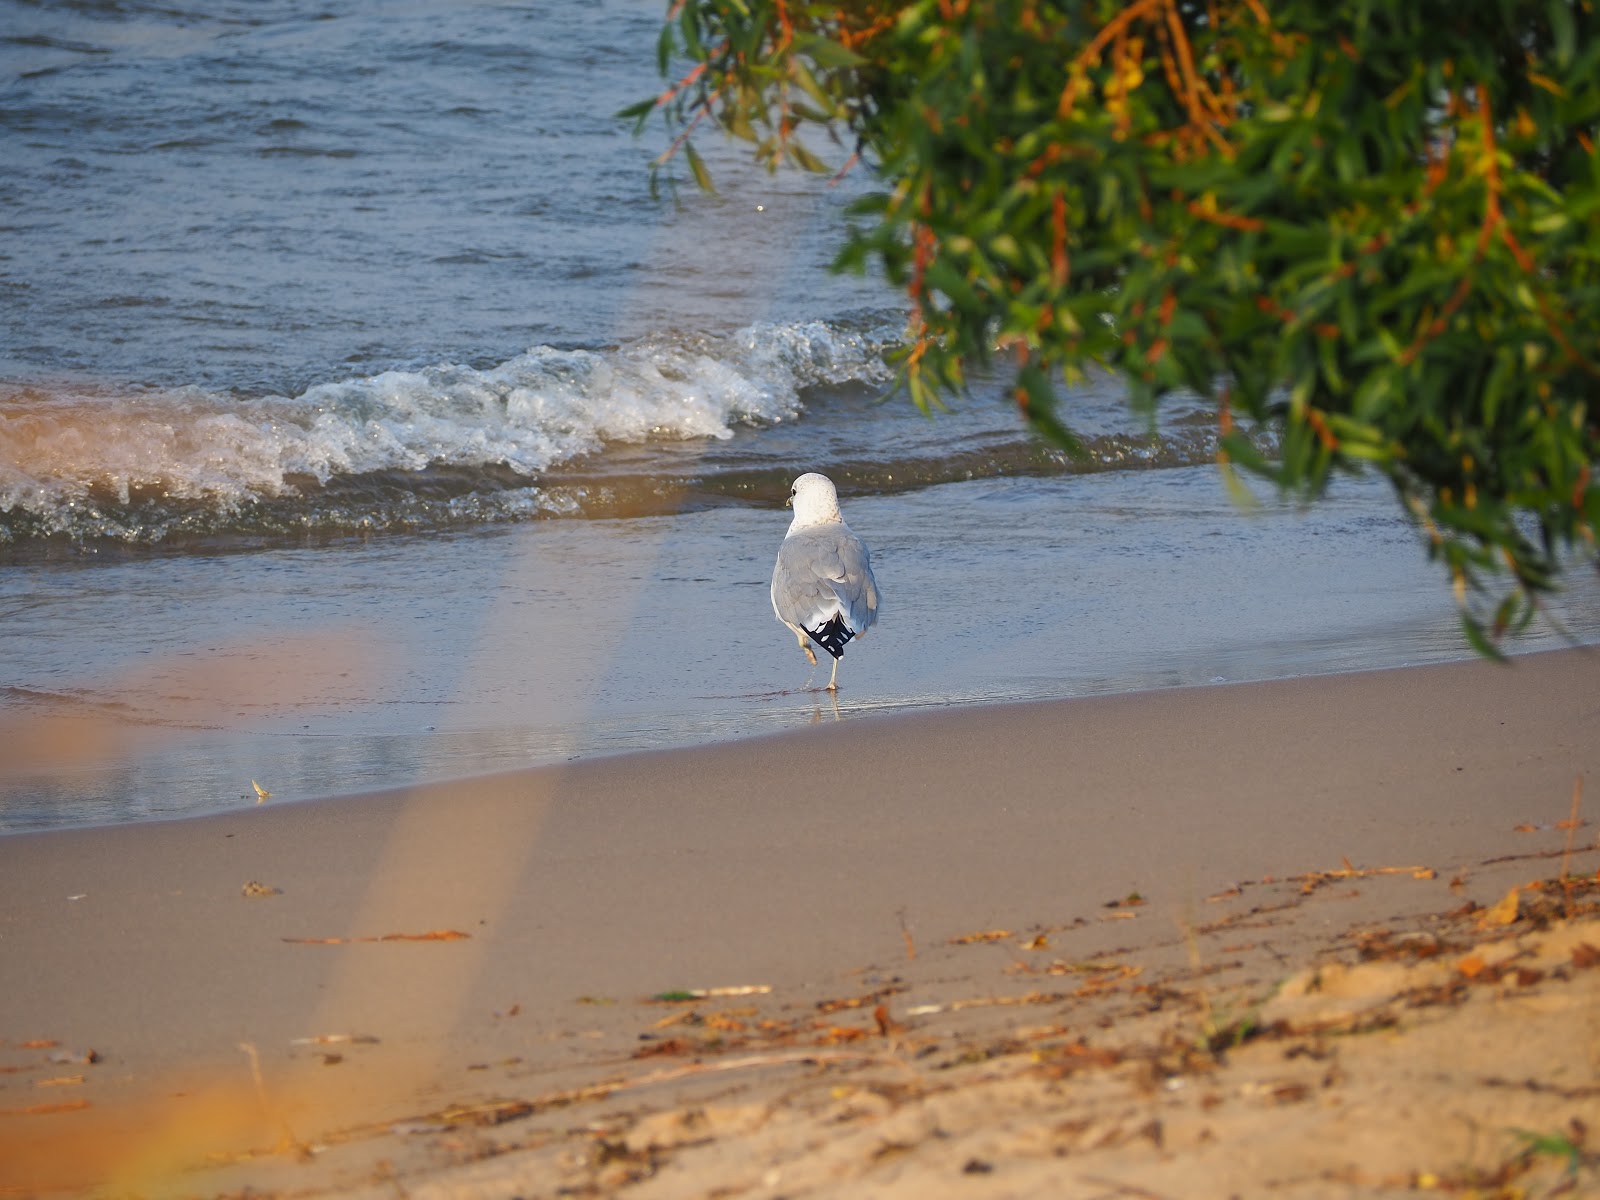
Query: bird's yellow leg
806,646
833,680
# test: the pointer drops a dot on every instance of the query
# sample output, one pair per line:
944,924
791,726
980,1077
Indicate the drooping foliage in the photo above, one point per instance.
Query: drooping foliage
1373,228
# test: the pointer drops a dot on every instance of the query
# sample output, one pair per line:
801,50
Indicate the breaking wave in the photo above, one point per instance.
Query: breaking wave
401,449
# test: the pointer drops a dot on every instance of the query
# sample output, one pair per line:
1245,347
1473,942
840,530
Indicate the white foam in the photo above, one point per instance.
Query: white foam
67,457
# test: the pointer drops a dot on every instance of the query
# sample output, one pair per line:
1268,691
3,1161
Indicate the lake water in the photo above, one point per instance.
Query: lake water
364,419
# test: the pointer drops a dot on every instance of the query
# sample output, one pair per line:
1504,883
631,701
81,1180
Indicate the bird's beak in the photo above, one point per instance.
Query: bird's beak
789,500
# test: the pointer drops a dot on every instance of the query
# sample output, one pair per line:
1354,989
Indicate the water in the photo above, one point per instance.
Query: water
363,419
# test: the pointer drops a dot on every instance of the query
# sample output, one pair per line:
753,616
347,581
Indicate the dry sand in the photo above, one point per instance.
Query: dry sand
1245,940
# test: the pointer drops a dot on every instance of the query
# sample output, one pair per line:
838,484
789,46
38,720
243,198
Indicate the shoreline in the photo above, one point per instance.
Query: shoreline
423,659
493,939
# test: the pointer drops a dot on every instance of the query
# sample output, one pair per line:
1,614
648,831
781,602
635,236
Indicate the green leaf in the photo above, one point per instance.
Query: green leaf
1563,31
698,168
664,47
806,159
640,110
689,27
826,53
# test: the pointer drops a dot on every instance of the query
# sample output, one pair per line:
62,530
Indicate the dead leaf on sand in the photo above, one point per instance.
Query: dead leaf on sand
881,1016
256,891
865,1001
666,1047
1503,911
836,1035
986,935
1312,880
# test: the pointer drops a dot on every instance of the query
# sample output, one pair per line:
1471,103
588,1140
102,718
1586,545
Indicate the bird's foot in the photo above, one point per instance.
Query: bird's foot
810,655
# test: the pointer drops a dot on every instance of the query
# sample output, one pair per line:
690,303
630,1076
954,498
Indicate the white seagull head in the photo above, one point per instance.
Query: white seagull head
815,501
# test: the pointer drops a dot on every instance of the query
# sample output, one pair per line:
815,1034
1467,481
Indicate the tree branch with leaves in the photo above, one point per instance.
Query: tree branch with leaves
1372,230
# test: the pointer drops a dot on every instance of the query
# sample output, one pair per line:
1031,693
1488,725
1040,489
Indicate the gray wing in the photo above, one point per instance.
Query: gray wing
824,573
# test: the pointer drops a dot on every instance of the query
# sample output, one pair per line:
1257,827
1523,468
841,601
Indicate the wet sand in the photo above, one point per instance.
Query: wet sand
452,984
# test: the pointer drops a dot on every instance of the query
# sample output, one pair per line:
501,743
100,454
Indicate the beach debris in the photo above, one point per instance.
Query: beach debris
1503,911
41,1110
38,1044
986,935
414,1128
1310,881
885,1025
433,935
59,1081
79,896
667,1046
836,1035
1041,942
485,1112
70,1058
254,891
1002,1001
335,1039
683,995
862,1001
1131,900
261,793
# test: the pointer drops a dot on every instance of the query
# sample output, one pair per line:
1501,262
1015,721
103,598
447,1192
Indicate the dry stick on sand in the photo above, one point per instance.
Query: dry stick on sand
905,932
1566,854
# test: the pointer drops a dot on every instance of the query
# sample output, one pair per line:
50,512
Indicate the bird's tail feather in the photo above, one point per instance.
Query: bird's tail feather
833,635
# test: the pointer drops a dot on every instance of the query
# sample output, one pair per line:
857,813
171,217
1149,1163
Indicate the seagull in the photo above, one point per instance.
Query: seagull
822,585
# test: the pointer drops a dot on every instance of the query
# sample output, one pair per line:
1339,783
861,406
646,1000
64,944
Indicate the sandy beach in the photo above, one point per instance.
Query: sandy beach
1119,945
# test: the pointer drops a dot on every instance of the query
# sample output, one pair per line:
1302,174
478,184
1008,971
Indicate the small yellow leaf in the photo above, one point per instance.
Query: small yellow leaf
261,792
1504,911
986,935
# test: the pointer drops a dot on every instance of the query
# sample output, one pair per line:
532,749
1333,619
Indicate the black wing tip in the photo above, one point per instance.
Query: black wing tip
832,636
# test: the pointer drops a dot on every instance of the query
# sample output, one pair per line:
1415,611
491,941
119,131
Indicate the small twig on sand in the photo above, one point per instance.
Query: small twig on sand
905,932
1566,854
286,1137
